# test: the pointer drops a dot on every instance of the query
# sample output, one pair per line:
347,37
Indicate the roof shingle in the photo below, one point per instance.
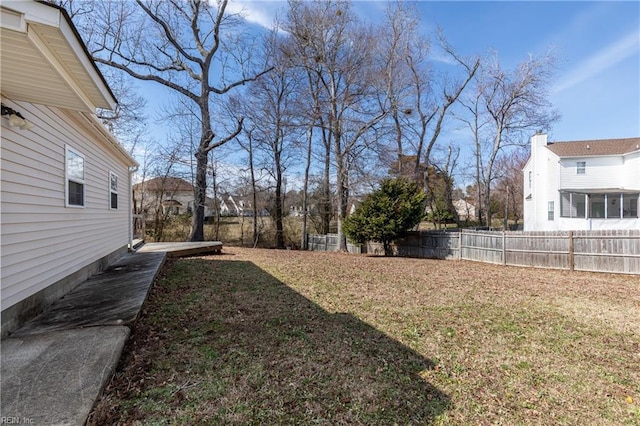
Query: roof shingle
591,148
166,184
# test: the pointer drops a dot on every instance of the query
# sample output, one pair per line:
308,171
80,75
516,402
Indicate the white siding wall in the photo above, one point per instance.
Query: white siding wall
600,172
631,177
545,168
42,240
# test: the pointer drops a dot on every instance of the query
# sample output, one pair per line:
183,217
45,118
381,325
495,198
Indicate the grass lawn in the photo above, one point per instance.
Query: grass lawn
289,337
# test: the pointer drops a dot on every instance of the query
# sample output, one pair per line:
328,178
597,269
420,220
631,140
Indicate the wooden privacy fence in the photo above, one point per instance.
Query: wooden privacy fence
596,251
329,242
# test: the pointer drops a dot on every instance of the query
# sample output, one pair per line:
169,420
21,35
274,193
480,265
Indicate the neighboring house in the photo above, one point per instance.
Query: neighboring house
65,190
167,196
465,210
236,205
582,185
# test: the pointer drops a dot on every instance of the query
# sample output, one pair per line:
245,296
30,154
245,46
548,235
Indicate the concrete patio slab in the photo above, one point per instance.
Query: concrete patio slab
55,378
113,297
53,369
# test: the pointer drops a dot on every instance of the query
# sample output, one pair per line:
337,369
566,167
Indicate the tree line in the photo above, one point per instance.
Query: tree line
345,101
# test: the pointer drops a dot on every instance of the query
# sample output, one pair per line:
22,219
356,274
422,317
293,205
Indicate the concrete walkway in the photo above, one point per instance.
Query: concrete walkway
55,366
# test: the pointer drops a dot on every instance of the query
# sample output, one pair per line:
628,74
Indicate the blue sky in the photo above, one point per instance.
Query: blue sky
597,86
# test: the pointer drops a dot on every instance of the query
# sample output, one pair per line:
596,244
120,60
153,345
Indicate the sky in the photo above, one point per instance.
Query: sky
596,88
597,84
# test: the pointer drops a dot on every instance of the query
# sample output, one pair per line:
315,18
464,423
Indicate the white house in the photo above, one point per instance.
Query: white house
582,185
66,182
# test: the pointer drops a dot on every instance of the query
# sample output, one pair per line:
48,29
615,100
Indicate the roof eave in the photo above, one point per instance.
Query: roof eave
65,75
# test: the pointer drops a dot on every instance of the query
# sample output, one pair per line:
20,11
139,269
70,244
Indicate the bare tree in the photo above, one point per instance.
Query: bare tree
271,107
337,49
419,100
179,45
510,184
513,103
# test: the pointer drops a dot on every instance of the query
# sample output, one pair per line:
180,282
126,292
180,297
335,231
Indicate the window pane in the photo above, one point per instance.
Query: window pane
550,211
114,182
75,165
581,166
630,205
613,206
565,204
596,206
579,205
76,193
114,200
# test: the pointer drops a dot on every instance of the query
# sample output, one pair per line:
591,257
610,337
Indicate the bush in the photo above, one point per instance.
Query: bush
386,214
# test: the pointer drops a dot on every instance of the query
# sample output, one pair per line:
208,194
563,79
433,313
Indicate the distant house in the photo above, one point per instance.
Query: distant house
582,185
235,205
465,210
166,196
66,181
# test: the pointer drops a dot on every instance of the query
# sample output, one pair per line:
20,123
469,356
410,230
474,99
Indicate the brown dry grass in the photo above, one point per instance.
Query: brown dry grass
287,337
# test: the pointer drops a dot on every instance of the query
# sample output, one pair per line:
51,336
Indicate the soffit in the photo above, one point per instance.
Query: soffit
45,63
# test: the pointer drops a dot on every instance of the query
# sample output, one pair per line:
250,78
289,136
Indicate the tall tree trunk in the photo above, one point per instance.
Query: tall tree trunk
253,192
214,184
342,189
327,208
197,226
278,215
305,189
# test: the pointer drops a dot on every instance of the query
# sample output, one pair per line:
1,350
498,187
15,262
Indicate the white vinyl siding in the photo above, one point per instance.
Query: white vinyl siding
601,172
631,175
43,241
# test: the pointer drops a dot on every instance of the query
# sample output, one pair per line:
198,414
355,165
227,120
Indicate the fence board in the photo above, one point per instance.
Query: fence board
596,251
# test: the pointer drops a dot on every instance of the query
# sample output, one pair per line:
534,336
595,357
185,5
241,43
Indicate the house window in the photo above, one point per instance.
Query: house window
74,178
550,210
113,190
581,167
573,205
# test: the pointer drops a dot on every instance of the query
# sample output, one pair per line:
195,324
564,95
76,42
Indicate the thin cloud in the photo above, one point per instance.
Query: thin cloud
606,58
256,12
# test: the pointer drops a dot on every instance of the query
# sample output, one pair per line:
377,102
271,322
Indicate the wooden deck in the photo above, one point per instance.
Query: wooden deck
183,249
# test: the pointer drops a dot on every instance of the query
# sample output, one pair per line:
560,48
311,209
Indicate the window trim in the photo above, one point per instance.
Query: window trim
68,178
581,167
111,191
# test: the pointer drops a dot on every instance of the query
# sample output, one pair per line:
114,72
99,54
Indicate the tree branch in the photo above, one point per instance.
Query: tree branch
228,138
149,77
167,31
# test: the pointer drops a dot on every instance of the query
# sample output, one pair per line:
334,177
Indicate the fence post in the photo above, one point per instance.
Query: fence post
571,258
326,242
504,247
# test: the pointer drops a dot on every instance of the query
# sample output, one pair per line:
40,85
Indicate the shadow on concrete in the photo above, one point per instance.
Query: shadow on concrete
269,355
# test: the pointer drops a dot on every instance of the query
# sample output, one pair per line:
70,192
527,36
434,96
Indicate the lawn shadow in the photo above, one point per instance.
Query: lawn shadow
263,353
